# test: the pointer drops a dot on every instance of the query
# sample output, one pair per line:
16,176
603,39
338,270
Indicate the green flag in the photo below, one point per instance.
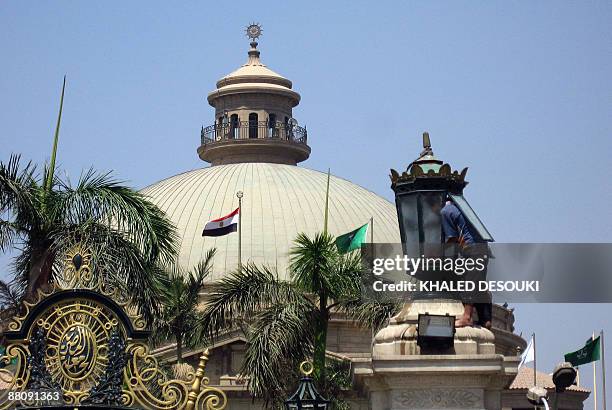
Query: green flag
352,240
589,353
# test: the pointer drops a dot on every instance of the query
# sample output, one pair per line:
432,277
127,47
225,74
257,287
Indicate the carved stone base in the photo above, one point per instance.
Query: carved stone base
401,376
399,337
435,381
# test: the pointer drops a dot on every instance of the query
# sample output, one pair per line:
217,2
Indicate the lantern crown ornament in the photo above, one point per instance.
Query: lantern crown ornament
306,397
428,172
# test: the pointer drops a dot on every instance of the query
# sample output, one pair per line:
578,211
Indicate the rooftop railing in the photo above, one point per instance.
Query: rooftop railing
244,130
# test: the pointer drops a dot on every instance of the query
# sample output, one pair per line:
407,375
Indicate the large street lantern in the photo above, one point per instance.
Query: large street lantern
306,397
420,193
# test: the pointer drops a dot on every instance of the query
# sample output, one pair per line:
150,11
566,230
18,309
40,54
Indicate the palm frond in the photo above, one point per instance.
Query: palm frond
117,260
344,276
11,295
100,197
281,338
50,175
311,262
19,193
241,295
196,279
9,232
180,297
369,313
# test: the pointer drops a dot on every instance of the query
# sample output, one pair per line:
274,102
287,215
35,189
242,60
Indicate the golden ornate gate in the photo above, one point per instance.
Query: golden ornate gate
81,343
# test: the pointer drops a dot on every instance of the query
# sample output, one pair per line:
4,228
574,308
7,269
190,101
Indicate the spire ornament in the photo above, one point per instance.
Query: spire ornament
254,31
426,145
427,168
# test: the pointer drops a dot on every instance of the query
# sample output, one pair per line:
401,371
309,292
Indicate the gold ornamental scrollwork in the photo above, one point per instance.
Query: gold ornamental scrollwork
77,319
78,273
149,387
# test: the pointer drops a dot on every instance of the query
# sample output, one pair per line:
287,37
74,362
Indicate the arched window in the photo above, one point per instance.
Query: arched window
234,126
272,130
253,119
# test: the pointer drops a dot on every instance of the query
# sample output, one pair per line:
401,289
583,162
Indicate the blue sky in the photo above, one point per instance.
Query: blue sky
518,91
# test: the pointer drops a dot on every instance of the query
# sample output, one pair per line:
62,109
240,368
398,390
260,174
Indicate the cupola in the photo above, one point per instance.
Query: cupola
254,116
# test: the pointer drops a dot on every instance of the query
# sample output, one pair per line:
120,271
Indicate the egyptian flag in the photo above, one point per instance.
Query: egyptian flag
222,226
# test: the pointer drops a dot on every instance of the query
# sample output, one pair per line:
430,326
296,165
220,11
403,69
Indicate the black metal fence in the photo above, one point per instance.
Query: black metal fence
252,130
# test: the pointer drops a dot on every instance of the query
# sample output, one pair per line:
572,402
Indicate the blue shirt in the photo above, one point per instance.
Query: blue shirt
454,225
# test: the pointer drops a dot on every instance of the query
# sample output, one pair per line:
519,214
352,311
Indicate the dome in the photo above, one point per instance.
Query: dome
279,202
254,77
254,71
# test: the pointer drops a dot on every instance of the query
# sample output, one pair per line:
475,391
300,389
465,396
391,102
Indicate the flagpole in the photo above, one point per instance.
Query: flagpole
603,369
240,194
372,235
326,202
535,363
594,380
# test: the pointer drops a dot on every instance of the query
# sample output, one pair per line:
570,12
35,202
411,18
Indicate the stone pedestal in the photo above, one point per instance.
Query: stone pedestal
400,376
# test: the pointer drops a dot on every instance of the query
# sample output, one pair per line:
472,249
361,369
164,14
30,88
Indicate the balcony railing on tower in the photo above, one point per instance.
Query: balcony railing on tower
244,130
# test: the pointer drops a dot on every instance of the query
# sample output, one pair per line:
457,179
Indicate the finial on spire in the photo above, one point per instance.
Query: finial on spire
254,31
426,140
426,145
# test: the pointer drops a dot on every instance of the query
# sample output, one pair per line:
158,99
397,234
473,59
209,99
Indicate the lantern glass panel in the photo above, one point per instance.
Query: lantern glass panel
420,219
409,223
471,217
431,205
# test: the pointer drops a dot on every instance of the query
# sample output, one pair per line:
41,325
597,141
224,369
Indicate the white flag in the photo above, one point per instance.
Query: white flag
528,355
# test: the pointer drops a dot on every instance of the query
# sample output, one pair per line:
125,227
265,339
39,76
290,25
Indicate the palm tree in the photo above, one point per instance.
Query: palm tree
180,298
289,318
42,217
9,297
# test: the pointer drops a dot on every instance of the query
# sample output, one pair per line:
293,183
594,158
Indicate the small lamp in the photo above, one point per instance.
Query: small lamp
564,376
538,396
436,331
306,397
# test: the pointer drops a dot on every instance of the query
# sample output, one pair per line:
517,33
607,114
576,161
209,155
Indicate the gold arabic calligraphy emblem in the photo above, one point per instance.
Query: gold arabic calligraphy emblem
77,349
77,344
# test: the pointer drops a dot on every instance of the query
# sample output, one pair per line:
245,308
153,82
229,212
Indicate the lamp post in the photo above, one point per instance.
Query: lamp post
563,377
420,193
306,397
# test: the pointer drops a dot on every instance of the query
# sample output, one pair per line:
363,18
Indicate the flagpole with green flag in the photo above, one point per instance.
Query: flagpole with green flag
352,240
592,351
